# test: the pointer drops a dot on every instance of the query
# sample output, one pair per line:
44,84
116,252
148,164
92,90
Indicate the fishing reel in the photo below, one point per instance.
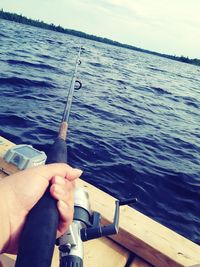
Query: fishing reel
86,225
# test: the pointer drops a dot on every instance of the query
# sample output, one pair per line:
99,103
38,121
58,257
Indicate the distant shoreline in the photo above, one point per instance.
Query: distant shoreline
40,24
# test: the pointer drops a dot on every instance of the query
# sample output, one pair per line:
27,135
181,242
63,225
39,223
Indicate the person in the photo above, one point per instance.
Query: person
21,191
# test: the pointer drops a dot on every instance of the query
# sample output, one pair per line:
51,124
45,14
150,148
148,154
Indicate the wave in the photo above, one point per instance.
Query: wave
96,64
192,104
30,64
13,120
44,56
157,70
21,82
159,90
3,35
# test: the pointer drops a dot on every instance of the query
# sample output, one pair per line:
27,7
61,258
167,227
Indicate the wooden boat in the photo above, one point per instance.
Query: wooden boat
141,242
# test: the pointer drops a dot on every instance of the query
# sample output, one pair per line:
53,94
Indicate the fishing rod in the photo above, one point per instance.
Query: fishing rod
39,234
65,118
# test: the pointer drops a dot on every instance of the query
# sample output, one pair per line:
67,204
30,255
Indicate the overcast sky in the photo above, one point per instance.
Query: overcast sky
167,26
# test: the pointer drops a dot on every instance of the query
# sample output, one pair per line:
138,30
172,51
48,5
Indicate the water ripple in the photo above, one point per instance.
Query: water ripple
30,64
21,82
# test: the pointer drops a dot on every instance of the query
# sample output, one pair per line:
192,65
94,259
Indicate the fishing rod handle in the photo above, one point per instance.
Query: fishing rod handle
39,234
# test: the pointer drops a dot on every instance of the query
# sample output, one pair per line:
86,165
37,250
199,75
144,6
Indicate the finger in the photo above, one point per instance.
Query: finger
62,191
73,175
50,170
58,180
60,169
66,216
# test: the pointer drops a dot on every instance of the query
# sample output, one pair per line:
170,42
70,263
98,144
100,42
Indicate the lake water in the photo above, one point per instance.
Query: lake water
134,126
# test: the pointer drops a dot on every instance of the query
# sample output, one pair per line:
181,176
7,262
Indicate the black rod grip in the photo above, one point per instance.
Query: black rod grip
39,233
71,261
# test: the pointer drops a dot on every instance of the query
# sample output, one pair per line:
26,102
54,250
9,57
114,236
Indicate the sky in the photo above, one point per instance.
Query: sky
166,26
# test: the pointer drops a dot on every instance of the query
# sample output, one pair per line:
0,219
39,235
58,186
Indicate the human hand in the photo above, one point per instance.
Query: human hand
21,191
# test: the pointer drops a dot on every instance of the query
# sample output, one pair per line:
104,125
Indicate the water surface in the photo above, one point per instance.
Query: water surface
134,127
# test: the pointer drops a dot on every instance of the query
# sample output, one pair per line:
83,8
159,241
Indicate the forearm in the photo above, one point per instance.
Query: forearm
4,219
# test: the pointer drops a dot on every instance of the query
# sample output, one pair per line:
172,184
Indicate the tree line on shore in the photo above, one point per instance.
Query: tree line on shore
37,23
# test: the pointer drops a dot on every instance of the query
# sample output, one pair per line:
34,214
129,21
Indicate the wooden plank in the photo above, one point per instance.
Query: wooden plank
4,145
2,175
7,168
104,252
150,240
98,253
4,167
7,261
138,262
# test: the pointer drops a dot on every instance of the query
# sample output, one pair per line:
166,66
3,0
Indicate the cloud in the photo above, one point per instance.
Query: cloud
161,25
